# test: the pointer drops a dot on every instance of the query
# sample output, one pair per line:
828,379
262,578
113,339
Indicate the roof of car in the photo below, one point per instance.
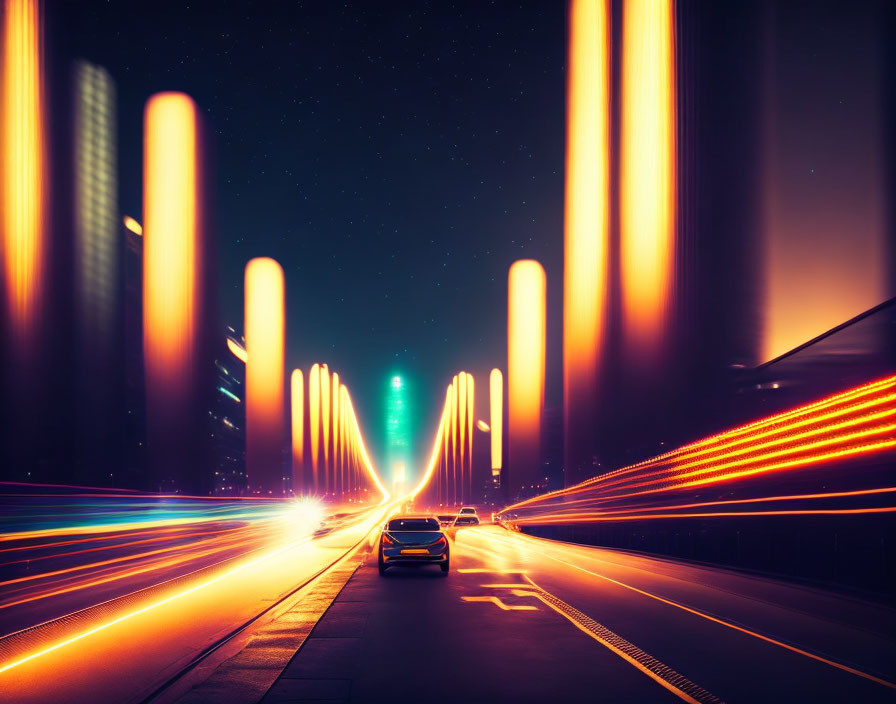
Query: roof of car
412,516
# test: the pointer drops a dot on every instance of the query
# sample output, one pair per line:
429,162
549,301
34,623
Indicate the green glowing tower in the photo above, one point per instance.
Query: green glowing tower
398,430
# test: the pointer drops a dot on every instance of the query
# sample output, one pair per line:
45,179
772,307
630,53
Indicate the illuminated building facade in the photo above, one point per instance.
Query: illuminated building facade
227,418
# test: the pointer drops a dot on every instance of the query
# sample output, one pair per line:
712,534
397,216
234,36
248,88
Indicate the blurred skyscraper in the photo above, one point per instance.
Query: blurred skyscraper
97,279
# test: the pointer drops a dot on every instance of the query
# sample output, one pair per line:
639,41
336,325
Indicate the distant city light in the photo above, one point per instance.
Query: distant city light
229,394
133,225
237,350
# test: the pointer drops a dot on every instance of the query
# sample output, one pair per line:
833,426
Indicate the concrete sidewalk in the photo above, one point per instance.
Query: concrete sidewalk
260,657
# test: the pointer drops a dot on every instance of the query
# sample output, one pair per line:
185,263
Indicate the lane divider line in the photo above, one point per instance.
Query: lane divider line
664,675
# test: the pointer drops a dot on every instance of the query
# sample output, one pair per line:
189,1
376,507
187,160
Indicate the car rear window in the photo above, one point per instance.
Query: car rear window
413,524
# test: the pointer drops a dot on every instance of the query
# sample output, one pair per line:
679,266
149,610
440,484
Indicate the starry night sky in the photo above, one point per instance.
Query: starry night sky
395,158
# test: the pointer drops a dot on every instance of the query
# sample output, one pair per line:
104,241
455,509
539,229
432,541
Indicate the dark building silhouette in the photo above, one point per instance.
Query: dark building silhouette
227,418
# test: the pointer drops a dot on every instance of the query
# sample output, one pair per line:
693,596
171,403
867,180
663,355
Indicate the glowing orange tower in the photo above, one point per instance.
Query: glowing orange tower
647,172
496,421
265,423
27,391
175,302
22,172
525,372
586,228
297,417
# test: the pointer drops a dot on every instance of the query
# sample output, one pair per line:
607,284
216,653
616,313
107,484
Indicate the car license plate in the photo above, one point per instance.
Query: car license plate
414,551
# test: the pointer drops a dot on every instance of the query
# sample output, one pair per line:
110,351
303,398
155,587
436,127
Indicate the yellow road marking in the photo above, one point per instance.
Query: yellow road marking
722,622
500,604
664,675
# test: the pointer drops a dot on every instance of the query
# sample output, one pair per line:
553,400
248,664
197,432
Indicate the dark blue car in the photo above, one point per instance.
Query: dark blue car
413,540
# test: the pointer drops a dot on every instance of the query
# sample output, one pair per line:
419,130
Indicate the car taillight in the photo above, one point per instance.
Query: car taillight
440,543
387,540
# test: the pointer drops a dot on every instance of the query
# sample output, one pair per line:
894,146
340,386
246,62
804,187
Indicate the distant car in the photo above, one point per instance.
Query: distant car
467,511
413,540
446,519
466,520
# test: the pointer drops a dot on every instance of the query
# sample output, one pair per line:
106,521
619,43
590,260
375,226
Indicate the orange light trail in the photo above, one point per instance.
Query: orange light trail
332,420
108,624
114,546
713,463
297,396
471,409
22,166
366,463
443,486
857,422
232,540
454,404
334,405
648,508
592,518
325,421
437,444
113,527
462,428
647,172
314,420
344,442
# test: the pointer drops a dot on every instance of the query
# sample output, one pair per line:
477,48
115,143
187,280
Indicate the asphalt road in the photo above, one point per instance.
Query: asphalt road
525,620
